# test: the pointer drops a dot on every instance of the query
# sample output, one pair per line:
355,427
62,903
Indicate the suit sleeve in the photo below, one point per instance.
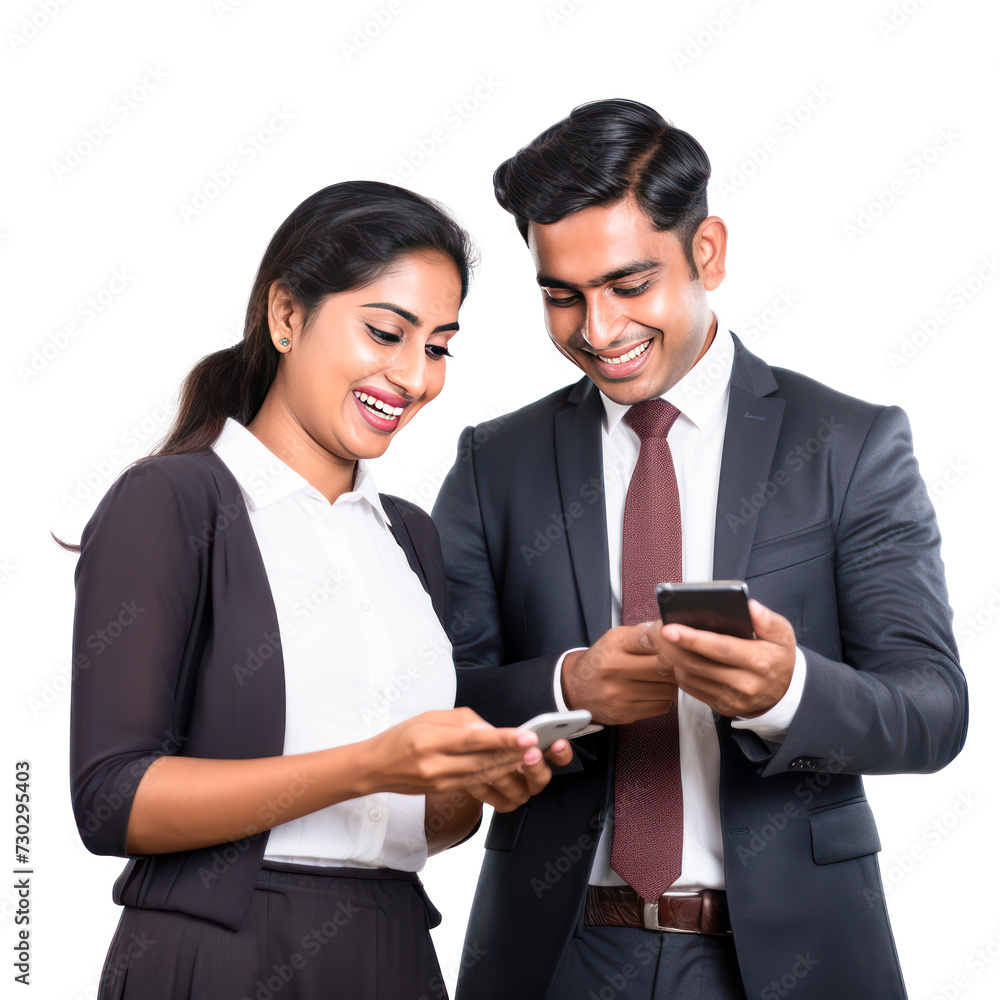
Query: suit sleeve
137,583
899,701
505,694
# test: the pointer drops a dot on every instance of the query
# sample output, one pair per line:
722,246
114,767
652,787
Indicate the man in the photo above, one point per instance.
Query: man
713,838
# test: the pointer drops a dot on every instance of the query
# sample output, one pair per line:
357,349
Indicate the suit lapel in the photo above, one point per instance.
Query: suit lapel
752,427
579,467
400,529
245,569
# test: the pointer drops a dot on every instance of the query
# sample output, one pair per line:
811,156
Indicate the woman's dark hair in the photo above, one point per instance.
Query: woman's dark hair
339,238
599,154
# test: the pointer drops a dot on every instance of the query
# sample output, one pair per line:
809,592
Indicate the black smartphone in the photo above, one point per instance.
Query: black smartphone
716,606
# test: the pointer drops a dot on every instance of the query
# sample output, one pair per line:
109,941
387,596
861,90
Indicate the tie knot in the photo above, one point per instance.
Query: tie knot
652,418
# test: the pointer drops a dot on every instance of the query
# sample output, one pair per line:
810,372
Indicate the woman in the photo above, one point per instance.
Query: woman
261,712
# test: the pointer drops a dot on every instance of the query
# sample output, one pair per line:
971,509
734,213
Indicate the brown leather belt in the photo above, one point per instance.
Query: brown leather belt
701,911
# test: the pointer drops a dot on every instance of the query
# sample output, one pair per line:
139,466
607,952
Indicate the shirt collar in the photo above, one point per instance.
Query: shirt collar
699,392
266,479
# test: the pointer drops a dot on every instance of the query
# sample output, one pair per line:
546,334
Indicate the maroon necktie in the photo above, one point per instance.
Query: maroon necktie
649,813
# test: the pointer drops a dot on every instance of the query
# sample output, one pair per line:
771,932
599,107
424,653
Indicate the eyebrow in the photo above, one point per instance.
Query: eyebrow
408,316
635,267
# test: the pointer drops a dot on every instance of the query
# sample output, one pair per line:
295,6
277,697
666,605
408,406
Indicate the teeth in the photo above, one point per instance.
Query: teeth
634,353
380,414
378,407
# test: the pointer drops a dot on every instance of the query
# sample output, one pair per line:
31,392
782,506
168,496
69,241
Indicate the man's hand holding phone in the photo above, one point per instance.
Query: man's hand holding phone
634,671
620,678
732,674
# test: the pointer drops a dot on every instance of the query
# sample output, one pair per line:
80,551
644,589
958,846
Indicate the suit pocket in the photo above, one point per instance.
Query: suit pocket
504,829
844,831
790,550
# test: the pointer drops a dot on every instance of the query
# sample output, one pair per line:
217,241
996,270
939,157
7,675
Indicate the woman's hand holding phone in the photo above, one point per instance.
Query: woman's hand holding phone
456,750
459,762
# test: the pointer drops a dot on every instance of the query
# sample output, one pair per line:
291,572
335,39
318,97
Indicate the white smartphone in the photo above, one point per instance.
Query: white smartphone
552,726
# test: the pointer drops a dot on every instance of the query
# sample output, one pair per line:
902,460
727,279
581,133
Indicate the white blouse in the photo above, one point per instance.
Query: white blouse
362,646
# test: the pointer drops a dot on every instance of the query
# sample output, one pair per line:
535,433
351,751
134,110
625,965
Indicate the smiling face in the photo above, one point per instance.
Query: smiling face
366,362
619,298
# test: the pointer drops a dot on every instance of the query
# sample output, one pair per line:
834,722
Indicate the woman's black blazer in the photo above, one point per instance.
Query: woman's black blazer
176,650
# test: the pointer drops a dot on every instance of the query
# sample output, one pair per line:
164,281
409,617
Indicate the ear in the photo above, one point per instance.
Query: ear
284,314
709,244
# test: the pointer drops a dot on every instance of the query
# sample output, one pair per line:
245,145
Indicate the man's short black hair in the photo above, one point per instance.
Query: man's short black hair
601,152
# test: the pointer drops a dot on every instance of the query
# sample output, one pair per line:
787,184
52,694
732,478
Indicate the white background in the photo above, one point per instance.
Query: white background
80,404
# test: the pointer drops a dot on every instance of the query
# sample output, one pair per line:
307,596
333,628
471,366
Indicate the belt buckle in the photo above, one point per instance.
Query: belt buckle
651,911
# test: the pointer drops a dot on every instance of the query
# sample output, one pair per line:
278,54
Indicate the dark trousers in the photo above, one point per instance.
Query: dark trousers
310,933
625,963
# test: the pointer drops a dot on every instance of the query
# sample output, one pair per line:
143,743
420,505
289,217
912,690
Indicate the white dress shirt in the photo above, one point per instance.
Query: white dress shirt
695,439
361,645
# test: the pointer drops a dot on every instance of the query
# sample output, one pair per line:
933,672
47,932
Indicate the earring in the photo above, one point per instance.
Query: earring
284,341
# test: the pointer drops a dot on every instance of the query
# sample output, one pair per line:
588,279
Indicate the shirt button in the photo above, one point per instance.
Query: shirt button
365,606
374,814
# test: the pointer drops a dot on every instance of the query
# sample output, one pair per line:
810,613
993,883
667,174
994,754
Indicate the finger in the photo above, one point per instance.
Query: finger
635,711
462,765
502,800
768,665
454,739
633,638
560,753
650,689
690,668
713,682
725,700
645,642
492,773
622,663
713,646
770,626
683,659
530,758
537,776
660,671
518,787
647,666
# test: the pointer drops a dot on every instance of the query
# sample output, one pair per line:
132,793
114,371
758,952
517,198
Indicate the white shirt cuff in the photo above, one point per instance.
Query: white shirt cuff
773,724
561,705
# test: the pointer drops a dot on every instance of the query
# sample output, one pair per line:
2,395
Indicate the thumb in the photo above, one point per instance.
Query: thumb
635,638
769,625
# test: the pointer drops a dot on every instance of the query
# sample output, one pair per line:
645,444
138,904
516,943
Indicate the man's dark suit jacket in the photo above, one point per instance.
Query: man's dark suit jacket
822,511
177,650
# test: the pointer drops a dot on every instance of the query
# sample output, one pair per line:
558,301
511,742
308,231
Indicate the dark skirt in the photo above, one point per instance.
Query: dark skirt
310,933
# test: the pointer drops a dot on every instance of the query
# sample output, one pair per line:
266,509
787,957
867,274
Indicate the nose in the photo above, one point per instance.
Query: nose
408,370
602,324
